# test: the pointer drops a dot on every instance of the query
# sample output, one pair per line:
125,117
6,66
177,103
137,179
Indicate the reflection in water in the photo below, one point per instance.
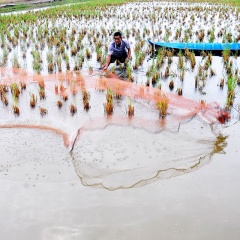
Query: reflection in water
220,144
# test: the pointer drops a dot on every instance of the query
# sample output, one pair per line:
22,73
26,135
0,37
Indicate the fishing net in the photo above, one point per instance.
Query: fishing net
112,148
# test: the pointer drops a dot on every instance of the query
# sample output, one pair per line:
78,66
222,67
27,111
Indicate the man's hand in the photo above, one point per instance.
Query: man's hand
104,68
126,60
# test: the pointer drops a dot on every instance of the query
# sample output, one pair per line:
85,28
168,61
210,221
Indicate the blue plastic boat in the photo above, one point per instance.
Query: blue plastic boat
213,47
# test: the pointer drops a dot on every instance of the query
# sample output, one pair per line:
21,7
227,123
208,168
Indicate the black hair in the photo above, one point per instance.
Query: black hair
118,34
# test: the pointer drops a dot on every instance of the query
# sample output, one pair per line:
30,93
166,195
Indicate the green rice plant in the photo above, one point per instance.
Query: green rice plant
67,62
226,55
232,83
180,60
108,106
88,53
136,62
49,57
59,63
15,63
15,107
15,90
37,61
212,35
192,60
129,72
99,54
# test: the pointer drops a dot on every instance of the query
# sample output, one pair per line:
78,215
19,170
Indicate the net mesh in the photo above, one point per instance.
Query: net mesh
179,109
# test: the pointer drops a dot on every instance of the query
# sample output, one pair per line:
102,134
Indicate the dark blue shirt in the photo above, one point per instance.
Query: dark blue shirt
118,51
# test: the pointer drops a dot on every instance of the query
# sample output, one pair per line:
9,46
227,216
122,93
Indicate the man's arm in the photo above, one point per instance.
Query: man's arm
129,55
105,66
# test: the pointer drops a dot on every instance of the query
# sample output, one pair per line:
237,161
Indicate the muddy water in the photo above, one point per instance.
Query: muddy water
125,179
43,198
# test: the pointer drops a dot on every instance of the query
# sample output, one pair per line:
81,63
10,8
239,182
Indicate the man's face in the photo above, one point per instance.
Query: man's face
117,40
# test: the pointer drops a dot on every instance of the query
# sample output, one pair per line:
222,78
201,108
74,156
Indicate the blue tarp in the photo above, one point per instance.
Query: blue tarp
198,46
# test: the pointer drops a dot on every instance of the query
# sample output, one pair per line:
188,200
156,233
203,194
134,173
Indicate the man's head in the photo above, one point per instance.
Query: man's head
117,37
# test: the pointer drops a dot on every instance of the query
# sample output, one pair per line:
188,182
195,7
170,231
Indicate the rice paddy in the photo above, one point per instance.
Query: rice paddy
162,116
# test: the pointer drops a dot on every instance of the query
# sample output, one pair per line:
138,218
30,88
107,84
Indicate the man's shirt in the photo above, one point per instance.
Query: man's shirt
118,51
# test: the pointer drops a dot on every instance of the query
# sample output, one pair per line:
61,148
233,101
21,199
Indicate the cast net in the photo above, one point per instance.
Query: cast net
110,125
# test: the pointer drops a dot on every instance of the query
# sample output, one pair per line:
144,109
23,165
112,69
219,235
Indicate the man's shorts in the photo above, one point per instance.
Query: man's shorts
121,59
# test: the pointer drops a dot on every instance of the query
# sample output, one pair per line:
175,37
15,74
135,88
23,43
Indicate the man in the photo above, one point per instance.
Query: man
118,50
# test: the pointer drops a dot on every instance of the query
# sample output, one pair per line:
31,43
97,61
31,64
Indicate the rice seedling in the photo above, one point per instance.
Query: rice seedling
16,63
88,53
56,89
148,83
74,51
155,77
226,55
43,111
182,74
99,54
65,96
108,106
33,100
162,106
67,62
129,73
130,108
15,90
212,72
201,35
59,103
86,97
42,93
73,109
37,61
192,60
167,72
180,60
15,107
179,91
23,85
170,55
221,83
232,83
171,85
4,99
211,35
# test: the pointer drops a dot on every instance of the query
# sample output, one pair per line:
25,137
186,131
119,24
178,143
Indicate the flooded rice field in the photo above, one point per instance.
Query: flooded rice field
146,151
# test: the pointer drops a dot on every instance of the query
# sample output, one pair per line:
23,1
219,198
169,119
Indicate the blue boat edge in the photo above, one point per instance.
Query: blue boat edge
214,47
